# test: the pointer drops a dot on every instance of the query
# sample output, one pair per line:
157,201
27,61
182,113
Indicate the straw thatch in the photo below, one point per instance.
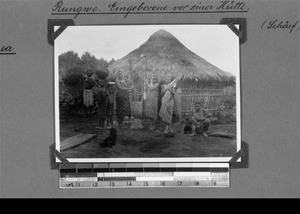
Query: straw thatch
163,54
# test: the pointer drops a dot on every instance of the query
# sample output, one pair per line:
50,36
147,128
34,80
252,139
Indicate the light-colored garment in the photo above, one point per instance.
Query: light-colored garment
177,103
151,102
166,110
88,99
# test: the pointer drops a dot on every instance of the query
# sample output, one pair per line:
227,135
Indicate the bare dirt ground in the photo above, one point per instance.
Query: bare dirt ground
146,142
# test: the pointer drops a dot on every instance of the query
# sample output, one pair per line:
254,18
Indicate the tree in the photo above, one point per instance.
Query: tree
88,61
67,61
71,71
111,61
71,88
73,77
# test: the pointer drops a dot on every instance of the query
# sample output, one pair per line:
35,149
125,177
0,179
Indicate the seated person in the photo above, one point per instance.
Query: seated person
200,123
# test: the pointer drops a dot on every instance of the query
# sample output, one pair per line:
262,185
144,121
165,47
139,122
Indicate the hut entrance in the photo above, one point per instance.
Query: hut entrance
136,99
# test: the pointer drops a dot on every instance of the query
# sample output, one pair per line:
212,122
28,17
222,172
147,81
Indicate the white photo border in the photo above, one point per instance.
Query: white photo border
148,160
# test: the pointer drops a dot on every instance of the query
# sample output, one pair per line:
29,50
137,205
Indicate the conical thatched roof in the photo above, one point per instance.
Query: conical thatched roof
162,53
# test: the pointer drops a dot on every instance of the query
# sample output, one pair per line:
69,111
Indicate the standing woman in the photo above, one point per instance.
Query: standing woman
122,98
88,99
152,98
166,109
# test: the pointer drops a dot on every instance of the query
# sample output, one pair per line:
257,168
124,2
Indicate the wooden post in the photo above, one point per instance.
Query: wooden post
132,82
115,121
144,92
144,86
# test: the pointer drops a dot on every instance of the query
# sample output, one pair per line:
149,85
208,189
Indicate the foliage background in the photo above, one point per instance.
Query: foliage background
71,75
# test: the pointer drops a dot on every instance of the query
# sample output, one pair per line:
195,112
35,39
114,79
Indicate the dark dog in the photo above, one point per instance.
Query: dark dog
110,141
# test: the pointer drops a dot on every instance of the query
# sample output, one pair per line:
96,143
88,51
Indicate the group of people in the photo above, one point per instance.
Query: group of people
103,91
108,96
108,93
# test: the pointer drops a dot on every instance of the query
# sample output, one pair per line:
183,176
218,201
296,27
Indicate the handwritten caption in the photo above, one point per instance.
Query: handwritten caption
141,8
6,49
285,25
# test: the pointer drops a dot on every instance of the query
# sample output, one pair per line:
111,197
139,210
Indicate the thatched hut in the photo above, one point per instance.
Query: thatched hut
162,54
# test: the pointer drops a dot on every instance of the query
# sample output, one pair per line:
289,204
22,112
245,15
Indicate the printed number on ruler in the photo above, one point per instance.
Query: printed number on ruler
72,184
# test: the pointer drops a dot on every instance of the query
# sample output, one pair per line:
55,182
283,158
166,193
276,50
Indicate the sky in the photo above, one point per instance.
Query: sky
215,43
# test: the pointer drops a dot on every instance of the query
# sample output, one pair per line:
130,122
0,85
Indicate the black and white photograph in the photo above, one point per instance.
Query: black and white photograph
147,93
149,99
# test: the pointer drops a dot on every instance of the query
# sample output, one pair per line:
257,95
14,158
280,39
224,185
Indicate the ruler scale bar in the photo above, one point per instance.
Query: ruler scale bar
131,175
159,183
